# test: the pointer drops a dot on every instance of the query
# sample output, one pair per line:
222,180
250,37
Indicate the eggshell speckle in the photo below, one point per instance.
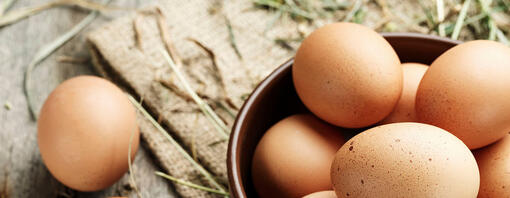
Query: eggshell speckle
466,91
293,157
405,111
405,159
494,164
83,133
348,75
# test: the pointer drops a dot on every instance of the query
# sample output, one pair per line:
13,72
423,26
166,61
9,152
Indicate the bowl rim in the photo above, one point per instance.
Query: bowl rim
233,169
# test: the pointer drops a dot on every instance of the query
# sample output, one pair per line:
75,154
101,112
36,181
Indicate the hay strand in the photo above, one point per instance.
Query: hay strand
179,148
460,19
16,15
47,50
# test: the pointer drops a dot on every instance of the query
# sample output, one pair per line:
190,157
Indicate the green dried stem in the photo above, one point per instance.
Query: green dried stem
5,5
502,37
296,9
428,13
300,10
334,5
287,6
232,38
492,26
482,15
189,184
226,109
204,107
271,22
179,148
359,16
494,31
47,50
7,105
355,8
460,19
285,43
475,18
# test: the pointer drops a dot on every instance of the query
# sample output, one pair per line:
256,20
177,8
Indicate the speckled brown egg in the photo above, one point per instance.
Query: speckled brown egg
494,164
322,194
405,111
83,133
347,75
293,157
466,92
405,160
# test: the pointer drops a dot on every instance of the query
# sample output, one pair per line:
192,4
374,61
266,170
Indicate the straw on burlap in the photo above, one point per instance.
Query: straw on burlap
128,50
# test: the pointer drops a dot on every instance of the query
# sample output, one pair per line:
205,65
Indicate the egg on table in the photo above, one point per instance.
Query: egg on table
405,160
405,111
494,164
348,75
466,91
84,131
293,157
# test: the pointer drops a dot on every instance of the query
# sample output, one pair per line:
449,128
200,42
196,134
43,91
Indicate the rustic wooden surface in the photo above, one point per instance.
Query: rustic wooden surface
22,172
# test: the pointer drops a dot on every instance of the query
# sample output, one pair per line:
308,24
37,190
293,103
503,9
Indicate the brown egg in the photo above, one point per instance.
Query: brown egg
404,111
405,160
83,133
347,75
494,164
293,157
322,194
466,92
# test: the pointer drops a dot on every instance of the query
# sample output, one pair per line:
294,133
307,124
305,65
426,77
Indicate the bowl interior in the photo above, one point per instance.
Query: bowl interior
275,98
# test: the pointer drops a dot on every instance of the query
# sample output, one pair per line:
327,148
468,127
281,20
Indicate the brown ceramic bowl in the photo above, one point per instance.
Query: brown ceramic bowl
275,99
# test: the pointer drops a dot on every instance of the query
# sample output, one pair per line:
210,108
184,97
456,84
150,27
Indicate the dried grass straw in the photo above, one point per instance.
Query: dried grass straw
357,6
197,166
5,5
204,107
189,184
494,31
47,50
460,19
14,16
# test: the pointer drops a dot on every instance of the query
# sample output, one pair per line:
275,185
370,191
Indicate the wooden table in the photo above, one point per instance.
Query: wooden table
22,172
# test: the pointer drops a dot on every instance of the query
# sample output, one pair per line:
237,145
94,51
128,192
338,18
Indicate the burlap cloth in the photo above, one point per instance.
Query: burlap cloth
128,50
